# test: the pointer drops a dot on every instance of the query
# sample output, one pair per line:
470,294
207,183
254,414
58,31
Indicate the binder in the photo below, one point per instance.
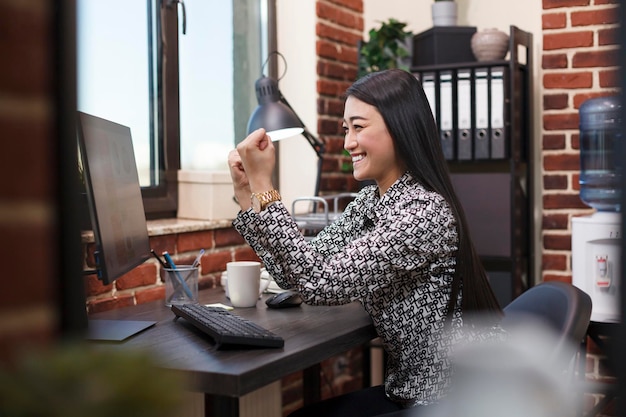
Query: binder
464,115
481,119
428,84
446,115
498,139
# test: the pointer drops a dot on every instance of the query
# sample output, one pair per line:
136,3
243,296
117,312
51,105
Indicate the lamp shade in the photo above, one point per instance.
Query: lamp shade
278,119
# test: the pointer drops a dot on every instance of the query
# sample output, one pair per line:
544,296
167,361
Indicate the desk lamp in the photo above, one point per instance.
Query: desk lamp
280,121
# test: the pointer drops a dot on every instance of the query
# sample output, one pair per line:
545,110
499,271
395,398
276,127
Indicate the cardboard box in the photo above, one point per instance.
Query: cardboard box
443,45
206,195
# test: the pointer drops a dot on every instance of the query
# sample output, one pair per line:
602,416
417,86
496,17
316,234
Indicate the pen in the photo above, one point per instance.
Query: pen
197,260
195,263
172,265
163,264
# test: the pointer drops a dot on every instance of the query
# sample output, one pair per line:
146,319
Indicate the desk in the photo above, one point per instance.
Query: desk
311,333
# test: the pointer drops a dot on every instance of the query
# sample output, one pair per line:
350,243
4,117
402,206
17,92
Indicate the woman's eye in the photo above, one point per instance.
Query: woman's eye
358,127
345,129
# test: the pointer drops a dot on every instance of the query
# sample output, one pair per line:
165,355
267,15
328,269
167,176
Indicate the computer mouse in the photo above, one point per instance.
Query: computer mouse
284,299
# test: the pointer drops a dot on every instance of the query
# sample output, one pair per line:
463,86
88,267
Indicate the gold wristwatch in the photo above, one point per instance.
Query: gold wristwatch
261,200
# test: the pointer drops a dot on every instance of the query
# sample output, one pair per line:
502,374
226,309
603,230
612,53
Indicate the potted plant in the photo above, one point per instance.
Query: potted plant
444,13
388,47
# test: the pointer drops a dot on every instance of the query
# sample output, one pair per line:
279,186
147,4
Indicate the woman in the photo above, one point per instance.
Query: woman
401,247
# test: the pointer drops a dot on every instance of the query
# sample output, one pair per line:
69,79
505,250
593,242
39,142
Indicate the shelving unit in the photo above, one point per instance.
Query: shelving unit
483,110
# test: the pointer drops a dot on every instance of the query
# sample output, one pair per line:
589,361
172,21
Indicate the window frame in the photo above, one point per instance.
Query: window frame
161,201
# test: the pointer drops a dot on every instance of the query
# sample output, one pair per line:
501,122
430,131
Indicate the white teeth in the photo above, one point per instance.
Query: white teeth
357,158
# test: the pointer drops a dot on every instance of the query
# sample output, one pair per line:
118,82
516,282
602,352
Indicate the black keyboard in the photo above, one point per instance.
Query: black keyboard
226,328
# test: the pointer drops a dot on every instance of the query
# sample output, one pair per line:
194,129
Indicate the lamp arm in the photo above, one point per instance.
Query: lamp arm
318,146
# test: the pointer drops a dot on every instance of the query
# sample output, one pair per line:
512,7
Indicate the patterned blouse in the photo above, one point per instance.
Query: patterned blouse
396,255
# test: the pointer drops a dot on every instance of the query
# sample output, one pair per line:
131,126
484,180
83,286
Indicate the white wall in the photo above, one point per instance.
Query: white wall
296,41
480,13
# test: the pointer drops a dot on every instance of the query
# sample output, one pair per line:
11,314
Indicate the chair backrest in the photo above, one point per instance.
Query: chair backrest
562,307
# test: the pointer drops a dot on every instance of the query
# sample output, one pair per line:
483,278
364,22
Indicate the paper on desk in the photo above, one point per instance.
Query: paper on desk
224,306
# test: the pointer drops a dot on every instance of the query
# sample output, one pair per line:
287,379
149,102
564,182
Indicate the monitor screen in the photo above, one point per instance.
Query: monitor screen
114,196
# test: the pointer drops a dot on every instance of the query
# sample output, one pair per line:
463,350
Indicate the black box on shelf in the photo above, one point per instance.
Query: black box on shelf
443,45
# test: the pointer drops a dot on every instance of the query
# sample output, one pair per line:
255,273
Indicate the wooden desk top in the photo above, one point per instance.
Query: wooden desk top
311,333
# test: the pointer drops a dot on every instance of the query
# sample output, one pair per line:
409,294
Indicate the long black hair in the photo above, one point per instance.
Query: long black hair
399,98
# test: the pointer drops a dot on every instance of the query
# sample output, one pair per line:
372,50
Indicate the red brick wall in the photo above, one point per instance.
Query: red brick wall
579,62
29,134
339,29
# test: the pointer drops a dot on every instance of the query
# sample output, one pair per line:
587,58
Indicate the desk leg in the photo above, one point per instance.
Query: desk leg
311,384
377,360
264,402
217,405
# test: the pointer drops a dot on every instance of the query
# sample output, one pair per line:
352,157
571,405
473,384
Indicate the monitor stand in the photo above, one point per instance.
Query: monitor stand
115,330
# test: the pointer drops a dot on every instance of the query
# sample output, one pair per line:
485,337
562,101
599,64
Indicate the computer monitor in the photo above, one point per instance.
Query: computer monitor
116,210
114,196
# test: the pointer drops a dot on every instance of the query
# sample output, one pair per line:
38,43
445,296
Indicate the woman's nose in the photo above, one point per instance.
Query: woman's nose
348,141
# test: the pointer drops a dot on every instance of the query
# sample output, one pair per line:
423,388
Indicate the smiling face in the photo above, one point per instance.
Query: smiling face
370,145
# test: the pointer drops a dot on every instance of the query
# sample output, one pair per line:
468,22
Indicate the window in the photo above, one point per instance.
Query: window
185,96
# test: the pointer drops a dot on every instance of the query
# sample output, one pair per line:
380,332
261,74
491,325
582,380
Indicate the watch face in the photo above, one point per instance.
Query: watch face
256,204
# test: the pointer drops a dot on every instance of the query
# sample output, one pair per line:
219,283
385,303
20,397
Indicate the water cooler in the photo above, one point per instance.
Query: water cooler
596,239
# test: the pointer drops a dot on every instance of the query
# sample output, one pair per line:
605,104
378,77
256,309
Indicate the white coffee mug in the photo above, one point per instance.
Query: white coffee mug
244,283
267,283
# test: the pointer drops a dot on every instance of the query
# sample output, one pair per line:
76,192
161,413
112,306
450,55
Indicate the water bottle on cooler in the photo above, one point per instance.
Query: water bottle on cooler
600,153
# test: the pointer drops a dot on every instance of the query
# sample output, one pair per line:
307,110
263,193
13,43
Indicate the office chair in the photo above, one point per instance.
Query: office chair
561,307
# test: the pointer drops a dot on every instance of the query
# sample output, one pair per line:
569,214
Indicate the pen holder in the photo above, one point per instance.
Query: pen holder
181,284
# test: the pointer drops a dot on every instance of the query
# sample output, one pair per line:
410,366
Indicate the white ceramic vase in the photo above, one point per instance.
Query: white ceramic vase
444,13
490,44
